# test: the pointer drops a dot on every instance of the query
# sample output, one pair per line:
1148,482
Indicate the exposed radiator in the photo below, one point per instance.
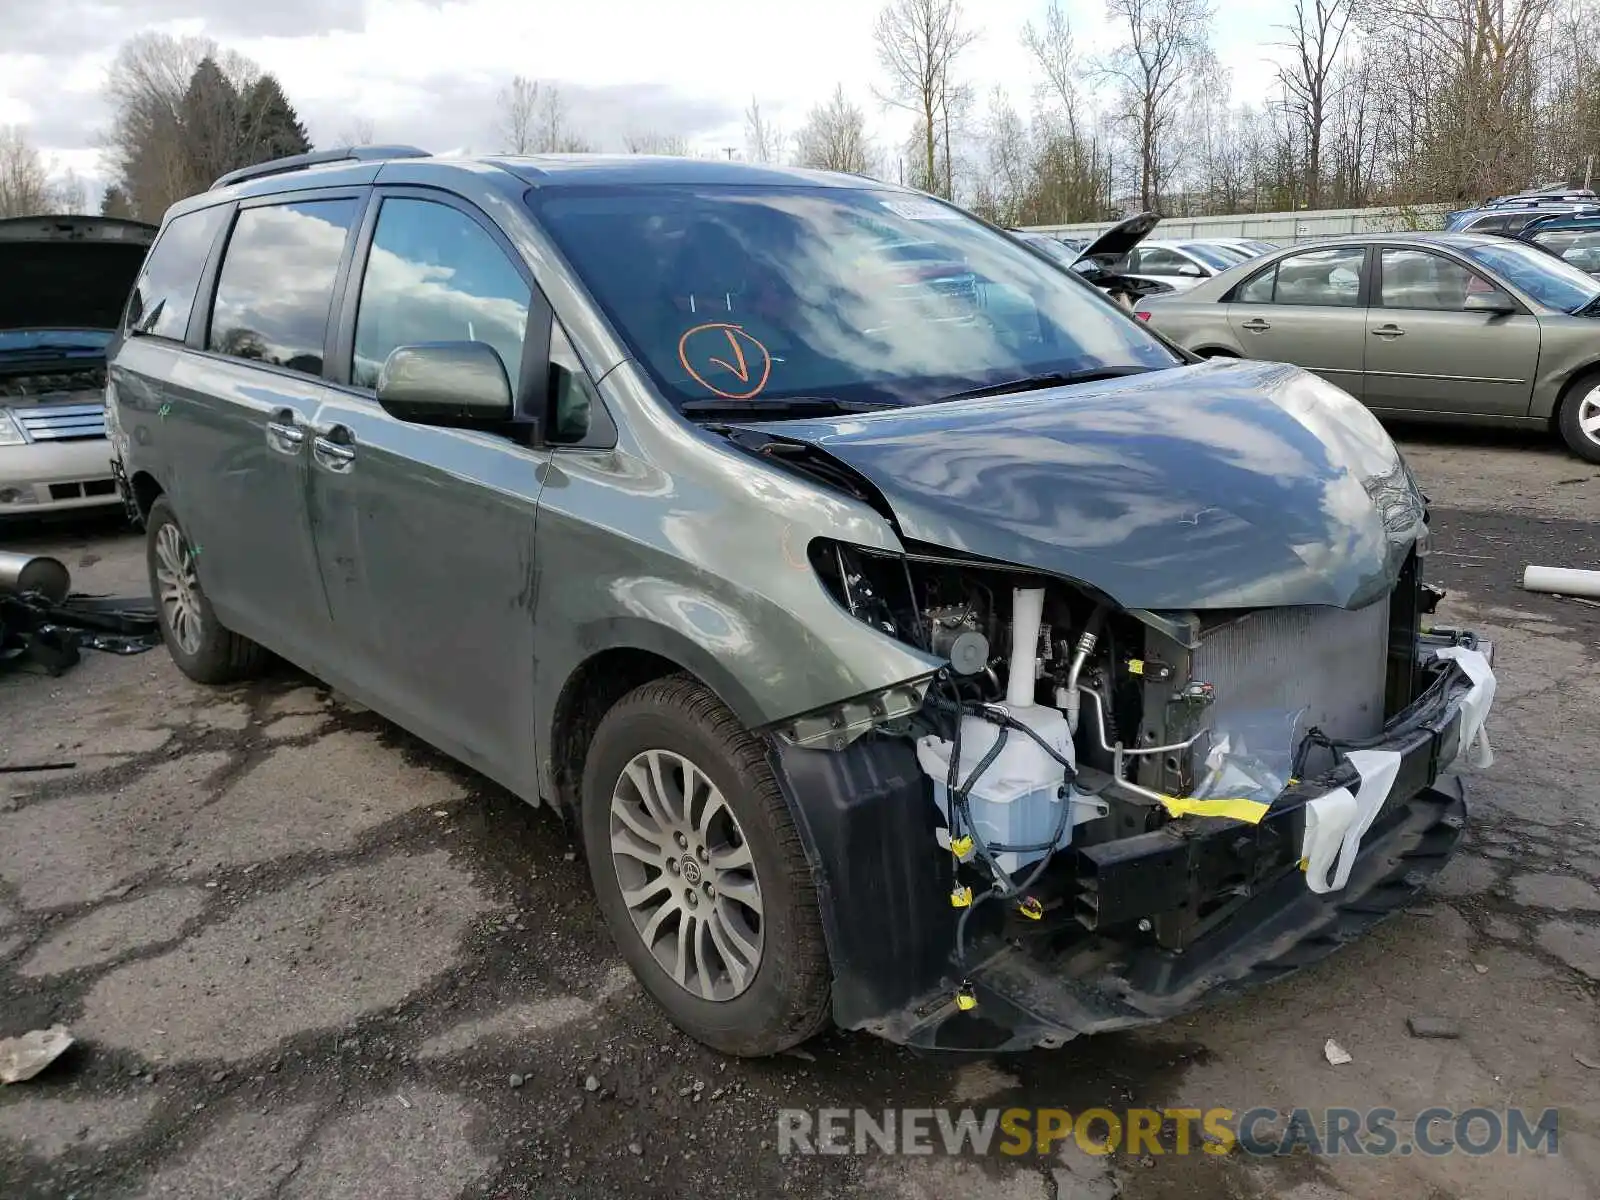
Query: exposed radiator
1279,671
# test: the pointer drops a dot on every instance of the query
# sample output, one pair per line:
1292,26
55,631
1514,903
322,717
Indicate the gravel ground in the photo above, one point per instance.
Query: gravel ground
306,956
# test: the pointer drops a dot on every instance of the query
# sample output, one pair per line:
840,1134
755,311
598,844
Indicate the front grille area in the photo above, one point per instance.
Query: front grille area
1277,672
79,491
62,422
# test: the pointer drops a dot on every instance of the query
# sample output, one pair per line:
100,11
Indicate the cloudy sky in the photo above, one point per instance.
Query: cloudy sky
428,71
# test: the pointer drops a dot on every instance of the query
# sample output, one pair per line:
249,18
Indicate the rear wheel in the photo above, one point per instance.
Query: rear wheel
700,873
204,650
1579,421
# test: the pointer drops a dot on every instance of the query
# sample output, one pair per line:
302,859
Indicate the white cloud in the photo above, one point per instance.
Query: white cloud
427,71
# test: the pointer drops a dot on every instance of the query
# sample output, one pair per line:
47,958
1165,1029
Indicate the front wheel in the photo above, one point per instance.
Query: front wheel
200,645
700,873
1580,418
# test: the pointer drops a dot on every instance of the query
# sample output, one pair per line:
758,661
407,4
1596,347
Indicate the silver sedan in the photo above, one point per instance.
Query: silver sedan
1463,328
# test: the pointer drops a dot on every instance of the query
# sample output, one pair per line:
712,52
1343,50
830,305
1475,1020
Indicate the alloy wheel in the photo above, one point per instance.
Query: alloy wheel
1589,416
178,589
687,875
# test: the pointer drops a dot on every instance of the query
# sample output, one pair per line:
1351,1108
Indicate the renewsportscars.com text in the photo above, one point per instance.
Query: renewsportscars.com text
1156,1131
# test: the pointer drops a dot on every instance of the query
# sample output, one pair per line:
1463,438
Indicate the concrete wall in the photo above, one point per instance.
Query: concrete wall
1282,228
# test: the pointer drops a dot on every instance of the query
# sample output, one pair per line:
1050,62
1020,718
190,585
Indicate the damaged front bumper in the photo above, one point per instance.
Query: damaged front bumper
1103,958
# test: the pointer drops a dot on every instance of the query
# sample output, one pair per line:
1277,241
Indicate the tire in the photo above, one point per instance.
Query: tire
204,649
1580,404
736,1003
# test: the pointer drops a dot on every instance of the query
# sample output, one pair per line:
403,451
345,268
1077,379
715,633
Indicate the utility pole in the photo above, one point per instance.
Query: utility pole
1588,171
730,151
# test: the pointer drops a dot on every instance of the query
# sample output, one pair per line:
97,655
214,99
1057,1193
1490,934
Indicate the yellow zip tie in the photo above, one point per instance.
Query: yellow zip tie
1136,666
966,999
1248,811
961,897
961,846
1031,908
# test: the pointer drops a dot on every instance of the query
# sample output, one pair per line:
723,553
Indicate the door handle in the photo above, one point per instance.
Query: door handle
1256,325
284,433
1388,331
334,455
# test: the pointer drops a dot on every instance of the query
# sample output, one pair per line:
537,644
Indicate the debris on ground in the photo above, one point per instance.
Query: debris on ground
45,635
1584,1060
1336,1054
1432,1027
21,1058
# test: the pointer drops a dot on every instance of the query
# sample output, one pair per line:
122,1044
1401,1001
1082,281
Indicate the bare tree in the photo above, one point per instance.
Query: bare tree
651,142
834,137
69,193
1056,56
1317,37
519,110
918,44
552,134
359,131
1074,171
1165,40
763,140
24,182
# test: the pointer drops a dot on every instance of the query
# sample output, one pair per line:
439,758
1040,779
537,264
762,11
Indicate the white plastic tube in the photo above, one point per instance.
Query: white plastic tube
1564,580
1027,614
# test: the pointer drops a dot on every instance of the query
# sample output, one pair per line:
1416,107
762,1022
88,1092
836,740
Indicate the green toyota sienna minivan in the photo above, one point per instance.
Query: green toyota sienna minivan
918,641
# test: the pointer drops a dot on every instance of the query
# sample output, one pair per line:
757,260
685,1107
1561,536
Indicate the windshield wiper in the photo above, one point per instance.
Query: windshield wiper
783,408
1045,379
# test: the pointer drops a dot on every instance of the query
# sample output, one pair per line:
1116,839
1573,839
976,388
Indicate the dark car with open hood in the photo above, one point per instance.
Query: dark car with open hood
65,281
917,641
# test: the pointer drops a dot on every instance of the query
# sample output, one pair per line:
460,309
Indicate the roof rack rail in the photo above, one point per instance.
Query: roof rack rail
294,162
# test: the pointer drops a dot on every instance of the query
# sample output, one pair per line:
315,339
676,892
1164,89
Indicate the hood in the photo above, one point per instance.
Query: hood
1119,239
1219,485
68,272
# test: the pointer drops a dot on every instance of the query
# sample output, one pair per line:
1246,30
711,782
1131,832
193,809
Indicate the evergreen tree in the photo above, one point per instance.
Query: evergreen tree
115,203
270,127
210,116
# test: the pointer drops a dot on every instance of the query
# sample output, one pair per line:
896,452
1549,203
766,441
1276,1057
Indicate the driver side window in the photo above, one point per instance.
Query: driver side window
435,275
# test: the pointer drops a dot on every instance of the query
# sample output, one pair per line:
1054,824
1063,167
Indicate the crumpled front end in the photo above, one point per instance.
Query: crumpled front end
1238,793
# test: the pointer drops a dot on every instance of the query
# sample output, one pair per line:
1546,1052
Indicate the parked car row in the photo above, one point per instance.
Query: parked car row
905,627
1458,327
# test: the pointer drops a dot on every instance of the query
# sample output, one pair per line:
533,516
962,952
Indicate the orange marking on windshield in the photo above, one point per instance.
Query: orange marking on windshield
742,370
699,343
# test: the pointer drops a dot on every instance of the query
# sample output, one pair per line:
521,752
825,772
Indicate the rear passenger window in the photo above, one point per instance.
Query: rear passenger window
275,288
435,275
1320,278
1259,289
164,292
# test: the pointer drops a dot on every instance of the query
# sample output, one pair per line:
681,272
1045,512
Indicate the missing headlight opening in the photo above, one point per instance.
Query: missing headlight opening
1071,748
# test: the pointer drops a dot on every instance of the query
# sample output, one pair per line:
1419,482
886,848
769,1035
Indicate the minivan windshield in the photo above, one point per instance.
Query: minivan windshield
766,293
1549,280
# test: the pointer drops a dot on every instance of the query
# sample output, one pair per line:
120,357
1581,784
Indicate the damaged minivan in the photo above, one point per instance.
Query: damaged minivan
918,641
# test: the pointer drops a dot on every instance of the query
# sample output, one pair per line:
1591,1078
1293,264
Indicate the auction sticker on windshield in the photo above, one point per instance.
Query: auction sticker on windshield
921,210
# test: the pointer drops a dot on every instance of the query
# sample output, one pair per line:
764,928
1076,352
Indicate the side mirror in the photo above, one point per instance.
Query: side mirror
1190,271
1489,302
444,382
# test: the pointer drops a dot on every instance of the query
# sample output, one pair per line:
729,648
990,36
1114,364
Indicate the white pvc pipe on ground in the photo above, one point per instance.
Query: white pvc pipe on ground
1566,581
